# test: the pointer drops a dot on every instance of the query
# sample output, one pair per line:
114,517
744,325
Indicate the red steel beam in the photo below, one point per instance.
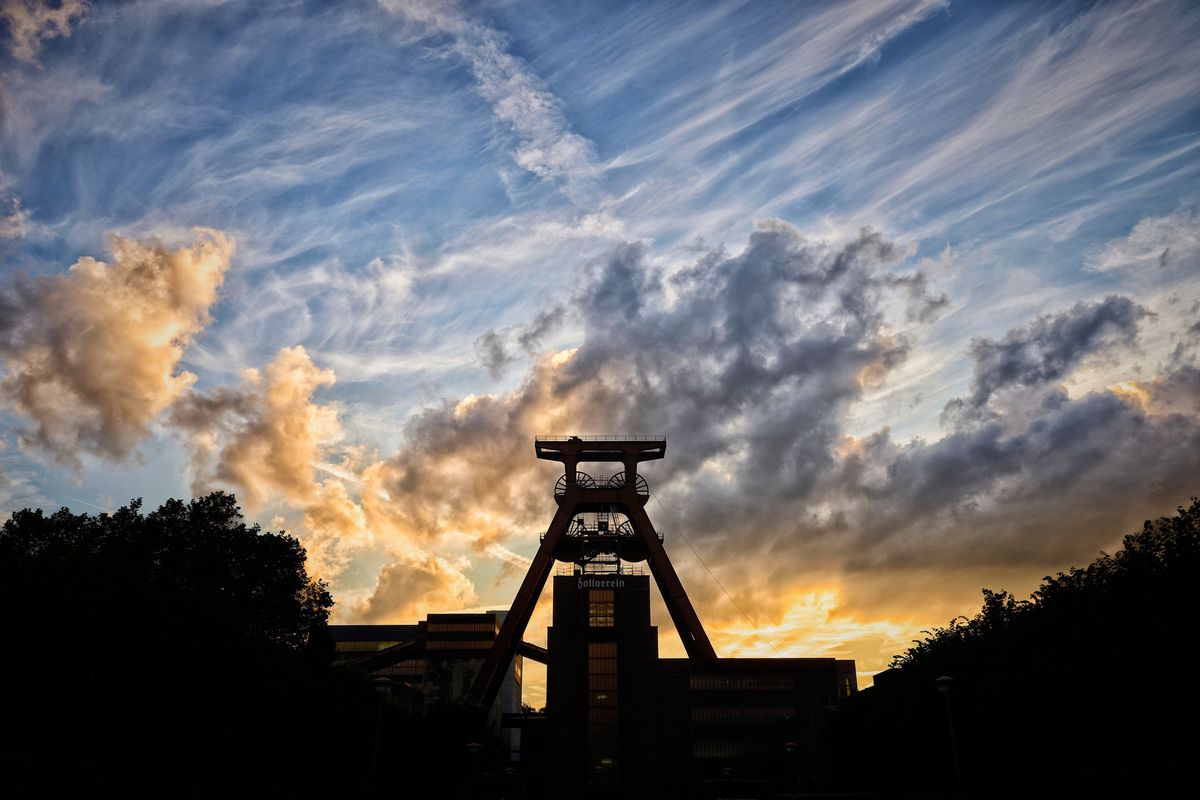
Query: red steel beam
695,640
512,631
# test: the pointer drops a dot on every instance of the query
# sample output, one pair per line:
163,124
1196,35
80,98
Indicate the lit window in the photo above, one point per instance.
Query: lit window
600,608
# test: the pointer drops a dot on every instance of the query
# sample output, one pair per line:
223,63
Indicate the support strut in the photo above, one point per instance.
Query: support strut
512,630
573,500
695,640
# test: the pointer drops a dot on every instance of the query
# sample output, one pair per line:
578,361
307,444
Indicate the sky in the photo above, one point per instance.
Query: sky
911,288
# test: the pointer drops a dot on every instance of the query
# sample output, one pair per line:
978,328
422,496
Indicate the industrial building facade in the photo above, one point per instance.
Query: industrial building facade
619,720
438,657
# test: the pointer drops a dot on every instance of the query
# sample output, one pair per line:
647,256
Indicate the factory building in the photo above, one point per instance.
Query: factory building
619,720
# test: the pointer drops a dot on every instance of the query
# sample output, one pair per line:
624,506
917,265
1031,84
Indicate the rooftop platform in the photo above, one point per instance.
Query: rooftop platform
578,448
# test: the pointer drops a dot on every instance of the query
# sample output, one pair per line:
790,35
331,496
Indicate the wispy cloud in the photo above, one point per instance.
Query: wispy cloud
14,220
546,145
489,219
1154,244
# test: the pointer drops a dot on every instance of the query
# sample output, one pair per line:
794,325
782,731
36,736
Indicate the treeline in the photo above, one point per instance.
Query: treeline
184,653
180,653
1085,688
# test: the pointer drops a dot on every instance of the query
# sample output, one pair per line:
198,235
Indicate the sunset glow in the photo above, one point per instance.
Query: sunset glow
911,288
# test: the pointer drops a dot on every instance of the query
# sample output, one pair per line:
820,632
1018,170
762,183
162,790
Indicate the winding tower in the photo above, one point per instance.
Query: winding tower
599,521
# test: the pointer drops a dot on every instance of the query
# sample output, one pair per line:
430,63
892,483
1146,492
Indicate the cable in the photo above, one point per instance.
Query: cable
679,529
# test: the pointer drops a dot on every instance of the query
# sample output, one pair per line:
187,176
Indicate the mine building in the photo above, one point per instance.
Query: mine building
619,719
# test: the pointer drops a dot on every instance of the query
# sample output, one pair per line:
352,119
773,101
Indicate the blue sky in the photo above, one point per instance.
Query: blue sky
408,188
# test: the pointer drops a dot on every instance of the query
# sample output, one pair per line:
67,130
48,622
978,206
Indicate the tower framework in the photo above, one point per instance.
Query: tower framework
569,539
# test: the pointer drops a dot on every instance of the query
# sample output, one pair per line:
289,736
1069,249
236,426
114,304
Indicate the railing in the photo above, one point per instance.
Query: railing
624,568
625,529
636,437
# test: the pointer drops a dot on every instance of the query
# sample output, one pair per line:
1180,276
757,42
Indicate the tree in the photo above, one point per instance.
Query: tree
153,647
1073,690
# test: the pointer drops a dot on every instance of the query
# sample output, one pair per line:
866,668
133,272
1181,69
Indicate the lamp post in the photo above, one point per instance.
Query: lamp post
945,684
473,749
791,748
383,687
510,782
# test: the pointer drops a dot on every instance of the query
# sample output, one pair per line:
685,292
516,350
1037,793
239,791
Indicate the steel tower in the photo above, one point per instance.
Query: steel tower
569,538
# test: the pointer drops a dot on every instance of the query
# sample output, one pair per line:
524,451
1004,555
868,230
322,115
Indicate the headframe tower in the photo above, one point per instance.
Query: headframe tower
570,539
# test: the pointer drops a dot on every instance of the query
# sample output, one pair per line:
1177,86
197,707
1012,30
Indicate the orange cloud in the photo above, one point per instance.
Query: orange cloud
266,436
92,356
407,591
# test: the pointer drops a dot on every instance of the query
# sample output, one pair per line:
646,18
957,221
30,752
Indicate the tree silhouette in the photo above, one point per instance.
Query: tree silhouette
178,646
1078,689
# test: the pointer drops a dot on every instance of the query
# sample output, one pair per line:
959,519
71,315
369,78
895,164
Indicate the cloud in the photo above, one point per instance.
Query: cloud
1031,492
408,591
268,438
765,349
546,146
464,477
18,488
751,363
922,305
495,349
335,528
339,528
14,220
265,437
31,22
1155,243
1047,349
91,357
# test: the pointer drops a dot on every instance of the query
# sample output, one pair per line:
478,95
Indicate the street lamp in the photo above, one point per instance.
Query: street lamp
945,684
383,687
510,782
791,748
473,749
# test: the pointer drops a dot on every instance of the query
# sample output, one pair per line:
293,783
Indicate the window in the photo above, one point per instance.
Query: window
603,681
411,667
740,714
462,627
602,687
741,682
360,647
602,716
600,608
458,644
718,749
602,660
